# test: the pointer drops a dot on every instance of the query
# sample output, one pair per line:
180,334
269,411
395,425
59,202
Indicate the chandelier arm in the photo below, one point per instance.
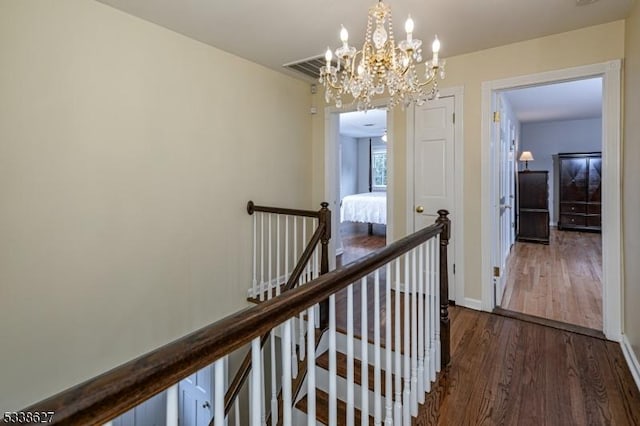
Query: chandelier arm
429,80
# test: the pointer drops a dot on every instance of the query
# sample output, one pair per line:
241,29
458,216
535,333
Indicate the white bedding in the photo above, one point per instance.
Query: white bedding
369,207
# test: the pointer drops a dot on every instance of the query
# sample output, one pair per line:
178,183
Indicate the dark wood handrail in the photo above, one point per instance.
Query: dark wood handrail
251,208
243,371
104,397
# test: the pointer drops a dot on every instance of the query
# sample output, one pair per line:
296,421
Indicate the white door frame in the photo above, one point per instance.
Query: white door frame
458,94
611,179
331,172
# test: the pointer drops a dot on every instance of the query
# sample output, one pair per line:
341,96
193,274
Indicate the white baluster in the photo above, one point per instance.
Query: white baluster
218,393
388,340
333,365
256,393
172,406
294,356
263,383
286,373
278,257
437,315
406,395
422,388
303,280
414,335
261,256
350,373
236,411
287,272
364,356
434,311
270,266
311,370
274,389
398,358
254,275
377,380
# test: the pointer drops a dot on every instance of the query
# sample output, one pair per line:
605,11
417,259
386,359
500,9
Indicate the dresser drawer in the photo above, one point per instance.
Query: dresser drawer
573,208
594,221
594,208
570,220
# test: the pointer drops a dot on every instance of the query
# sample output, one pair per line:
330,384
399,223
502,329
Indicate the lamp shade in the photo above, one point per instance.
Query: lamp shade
526,156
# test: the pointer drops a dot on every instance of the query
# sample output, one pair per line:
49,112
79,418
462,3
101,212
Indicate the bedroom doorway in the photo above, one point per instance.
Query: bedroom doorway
362,176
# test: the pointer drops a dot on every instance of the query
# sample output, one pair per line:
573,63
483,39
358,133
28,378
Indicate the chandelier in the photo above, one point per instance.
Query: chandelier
381,65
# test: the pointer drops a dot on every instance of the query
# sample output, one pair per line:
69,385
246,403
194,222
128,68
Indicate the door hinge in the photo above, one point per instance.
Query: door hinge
496,116
454,268
454,118
496,271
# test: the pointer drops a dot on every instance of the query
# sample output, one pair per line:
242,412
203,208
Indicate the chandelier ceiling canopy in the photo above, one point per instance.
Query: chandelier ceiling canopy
381,66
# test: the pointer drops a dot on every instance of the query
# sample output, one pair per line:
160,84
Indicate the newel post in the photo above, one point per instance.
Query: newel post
324,218
445,332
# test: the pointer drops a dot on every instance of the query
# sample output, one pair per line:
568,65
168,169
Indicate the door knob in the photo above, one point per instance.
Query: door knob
206,405
419,209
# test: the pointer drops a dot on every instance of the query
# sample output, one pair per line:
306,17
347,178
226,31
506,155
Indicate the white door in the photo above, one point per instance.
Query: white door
433,168
505,133
196,403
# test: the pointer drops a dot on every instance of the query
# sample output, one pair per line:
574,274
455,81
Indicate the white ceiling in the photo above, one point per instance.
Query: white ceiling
570,100
276,32
360,124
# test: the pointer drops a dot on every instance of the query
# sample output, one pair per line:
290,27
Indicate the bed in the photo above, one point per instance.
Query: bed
368,207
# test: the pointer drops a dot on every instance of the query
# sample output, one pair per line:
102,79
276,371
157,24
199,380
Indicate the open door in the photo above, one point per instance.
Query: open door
504,147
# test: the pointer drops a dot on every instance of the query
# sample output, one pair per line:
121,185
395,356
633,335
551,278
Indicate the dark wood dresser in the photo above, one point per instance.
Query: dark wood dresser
533,206
580,191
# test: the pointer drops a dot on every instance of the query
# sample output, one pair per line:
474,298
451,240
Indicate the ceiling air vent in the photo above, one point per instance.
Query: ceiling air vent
309,67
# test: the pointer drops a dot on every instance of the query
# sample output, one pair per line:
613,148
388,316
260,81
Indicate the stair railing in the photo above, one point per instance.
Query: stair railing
408,279
312,262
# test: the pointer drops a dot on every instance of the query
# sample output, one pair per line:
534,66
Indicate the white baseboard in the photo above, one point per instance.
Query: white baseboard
472,303
632,359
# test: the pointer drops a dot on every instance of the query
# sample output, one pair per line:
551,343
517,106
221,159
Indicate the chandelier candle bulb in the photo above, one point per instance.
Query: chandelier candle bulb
328,56
344,36
408,27
435,47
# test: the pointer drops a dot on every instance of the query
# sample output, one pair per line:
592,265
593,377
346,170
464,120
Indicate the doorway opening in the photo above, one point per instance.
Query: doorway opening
363,184
606,164
550,141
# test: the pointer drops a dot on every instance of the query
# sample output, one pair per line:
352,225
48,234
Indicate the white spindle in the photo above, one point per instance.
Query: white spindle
422,387
254,282
236,411
414,335
287,272
278,256
377,380
294,356
263,383
333,365
274,389
172,406
388,340
270,266
256,393
406,396
218,393
350,373
434,312
261,256
303,279
398,363
364,356
311,370
437,294
286,373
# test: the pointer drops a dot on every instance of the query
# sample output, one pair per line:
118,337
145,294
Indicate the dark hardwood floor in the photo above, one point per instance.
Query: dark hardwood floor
509,372
357,242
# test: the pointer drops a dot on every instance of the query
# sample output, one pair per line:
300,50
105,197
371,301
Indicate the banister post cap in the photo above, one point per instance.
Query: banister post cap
250,207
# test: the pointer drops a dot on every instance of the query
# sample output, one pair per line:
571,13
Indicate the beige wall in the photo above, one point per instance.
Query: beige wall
631,180
582,47
127,155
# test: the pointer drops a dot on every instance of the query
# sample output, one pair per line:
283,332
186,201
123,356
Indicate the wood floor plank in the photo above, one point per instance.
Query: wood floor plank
560,281
510,372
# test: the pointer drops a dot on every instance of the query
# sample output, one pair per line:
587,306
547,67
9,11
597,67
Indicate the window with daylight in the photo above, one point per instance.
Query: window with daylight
379,169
